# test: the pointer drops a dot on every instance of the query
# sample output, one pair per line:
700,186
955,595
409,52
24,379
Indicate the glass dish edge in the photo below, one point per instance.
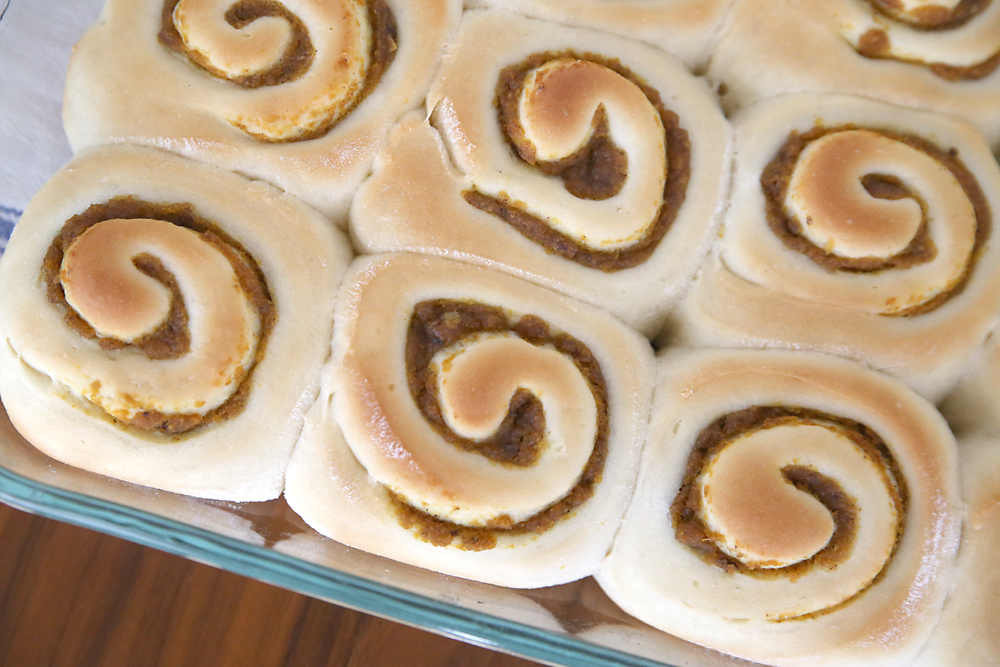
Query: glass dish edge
313,580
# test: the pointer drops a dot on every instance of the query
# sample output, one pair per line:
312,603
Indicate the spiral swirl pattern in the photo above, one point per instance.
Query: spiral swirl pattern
792,508
297,93
955,39
612,162
508,390
480,436
902,216
921,54
857,236
789,492
181,312
305,65
171,322
582,161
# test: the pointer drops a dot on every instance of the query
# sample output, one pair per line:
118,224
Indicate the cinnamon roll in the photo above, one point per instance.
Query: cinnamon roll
942,55
473,424
684,28
859,229
966,634
299,93
164,322
792,508
579,160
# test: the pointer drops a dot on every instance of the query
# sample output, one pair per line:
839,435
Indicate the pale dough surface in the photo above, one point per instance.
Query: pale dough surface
685,28
302,257
772,47
754,291
414,199
366,412
968,632
662,582
123,85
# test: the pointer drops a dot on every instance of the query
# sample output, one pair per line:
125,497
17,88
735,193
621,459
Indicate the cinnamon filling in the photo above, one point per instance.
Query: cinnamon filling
686,508
775,181
932,17
299,53
172,338
439,324
596,171
876,44
294,62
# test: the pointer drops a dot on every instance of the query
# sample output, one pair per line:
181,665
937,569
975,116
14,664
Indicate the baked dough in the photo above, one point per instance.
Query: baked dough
685,28
901,278
967,633
770,47
309,124
974,406
391,467
823,498
453,186
215,417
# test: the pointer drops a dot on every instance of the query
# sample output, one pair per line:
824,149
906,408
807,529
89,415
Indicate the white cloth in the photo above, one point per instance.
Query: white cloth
36,38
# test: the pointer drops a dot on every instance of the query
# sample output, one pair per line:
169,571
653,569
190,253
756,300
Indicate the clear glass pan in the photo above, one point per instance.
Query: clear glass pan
574,624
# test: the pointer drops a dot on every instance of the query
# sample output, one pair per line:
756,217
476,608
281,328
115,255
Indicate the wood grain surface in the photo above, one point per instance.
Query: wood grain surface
71,597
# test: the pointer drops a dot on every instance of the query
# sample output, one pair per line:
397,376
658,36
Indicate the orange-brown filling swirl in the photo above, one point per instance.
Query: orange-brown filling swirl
170,340
596,171
688,509
293,63
932,17
776,182
876,43
298,58
441,324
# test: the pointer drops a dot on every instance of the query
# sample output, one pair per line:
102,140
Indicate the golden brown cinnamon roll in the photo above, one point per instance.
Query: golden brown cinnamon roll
579,160
165,321
473,424
942,55
684,28
791,509
299,93
859,229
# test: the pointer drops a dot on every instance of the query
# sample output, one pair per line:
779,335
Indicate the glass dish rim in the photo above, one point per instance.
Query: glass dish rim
311,579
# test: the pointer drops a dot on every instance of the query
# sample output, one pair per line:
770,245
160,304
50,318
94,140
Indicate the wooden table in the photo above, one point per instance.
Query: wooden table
71,597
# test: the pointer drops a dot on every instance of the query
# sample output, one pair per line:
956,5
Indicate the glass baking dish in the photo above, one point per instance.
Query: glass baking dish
572,624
